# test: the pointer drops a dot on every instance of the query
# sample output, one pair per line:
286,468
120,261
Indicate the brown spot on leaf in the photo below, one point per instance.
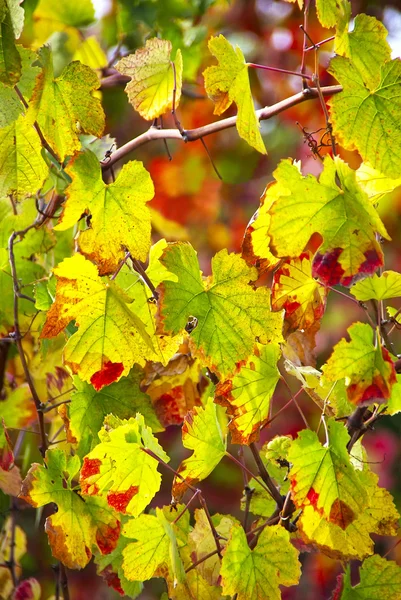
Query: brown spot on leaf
341,514
112,579
107,537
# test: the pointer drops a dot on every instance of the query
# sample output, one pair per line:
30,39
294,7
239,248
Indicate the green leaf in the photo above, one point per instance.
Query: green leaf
155,551
119,215
119,470
10,60
380,579
337,209
78,526
366,116
330,12
10,105
23,167
230,316
248,394
367,367
202,433
323,477
394,402
110,337
85,414
151,89
67,101
257,574
228,82
378,287
65,13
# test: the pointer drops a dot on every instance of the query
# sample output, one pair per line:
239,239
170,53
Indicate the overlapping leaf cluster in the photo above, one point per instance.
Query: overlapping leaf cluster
140,349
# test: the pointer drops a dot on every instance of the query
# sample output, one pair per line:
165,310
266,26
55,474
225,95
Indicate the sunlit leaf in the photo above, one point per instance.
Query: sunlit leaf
228,82
151,89
330,12
119,470
65,107
77,526
10,105
120,218
367,367
230,315
295,290
110,337
366,115
248,394
374,183
337,209
378,287
202,433
257,574
11,22
379,579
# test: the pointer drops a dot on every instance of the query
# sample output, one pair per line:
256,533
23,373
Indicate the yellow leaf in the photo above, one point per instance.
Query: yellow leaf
228,82
110,337
120,218
152,84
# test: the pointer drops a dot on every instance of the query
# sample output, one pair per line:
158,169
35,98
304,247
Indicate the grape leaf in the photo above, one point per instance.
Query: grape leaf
365,45
119,470
394,402
295,290
153,78
17,409
110,337
85,414
353,542
10,105
257,574
230,315
323,477
10,60
365,115
387,285
337,209
77,526
202,433
374,183
248,394
155,551
379,579
23,167
29,589
6,449
67,101
120,218
330,12
368,368
61,14
228,82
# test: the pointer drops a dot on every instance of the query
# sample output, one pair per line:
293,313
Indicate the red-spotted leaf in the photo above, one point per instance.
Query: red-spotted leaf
248,394
323,477
295,290
78,527
367,367
119,470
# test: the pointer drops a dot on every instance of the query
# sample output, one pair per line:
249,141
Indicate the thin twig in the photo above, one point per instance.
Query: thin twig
211,159
265,476
293,398
277,70
174,108
243,467
139,269
195,134
305,27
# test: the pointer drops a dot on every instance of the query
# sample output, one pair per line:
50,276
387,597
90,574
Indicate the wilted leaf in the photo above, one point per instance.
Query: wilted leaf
368,368
228,82
110,337
119,470
230,316
257,574
120,219
247,396
152,84
202,433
